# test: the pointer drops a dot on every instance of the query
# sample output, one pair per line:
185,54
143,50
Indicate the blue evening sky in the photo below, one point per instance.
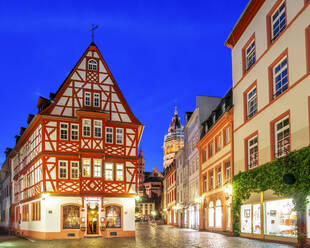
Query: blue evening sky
161,53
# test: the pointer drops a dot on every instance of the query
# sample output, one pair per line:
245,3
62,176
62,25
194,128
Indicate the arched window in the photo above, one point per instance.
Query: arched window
218,213
92,65
113,216
71,217
211,214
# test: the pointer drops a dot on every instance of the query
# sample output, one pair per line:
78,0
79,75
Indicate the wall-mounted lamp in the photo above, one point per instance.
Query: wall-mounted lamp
83,219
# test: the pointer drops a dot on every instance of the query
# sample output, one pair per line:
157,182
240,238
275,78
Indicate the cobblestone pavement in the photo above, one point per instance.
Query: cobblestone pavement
161,236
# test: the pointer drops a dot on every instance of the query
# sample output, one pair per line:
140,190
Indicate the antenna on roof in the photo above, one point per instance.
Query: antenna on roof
92,31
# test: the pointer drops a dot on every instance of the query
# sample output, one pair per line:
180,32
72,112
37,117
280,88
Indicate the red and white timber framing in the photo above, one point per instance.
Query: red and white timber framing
35,159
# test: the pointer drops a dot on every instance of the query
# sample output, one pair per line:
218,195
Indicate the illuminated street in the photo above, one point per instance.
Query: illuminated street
149,236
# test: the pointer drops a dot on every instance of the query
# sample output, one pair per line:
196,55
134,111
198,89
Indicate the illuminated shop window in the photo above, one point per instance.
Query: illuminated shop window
113,217
246,222
71,217
256,219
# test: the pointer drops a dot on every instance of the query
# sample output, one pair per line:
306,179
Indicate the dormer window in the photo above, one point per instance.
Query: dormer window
92,65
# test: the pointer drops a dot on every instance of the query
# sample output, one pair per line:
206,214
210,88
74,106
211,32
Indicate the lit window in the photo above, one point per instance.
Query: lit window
86,167
251,103
63,169
97,167
252,153
211,214
36,211
92,65
250,55
218,213
63,131
108,171
71,217
211,180
119,136
96,100
74,131
87,99
280,80
282,136
86,127
227,135
97,128
74,170
113,217
228,171
219,177
205,184
109,135
278,21
119,172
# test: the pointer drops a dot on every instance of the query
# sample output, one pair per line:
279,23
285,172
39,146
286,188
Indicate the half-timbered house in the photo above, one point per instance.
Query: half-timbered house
74,168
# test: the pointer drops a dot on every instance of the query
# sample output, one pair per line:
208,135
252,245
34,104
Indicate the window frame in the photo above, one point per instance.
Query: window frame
86,99
119,170
94,100
246,101
250,147
227,179
63,129
66,169
99,127
246,150
218,142
83,127
219,176
281,130
245,66
95,174
83,165
73,130
272,22
105,172
210,151
90,65
107,133
116,136
72,168
211,180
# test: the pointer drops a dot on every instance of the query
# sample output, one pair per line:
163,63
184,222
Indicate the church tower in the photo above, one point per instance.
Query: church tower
141,166
174,139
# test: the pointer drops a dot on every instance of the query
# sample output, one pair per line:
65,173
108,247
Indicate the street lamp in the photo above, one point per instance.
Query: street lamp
137,197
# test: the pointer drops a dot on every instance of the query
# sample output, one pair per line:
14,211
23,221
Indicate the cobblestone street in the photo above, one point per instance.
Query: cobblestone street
149,236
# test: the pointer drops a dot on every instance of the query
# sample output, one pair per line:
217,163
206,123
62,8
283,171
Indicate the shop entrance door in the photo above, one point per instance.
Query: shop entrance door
92,220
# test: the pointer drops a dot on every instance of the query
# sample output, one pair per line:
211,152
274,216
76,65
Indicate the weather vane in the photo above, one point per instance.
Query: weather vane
92,32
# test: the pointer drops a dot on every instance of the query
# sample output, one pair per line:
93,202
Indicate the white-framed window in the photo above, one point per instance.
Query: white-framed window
86,127
251,103
282,137
278,21
86,167
97,128
87,99
119,172
252,152
280,79
119,136
63,169
109,135
250,55
63,131
108,171
96,100
74,132
218,213
97,168
219,176
92,65
75,170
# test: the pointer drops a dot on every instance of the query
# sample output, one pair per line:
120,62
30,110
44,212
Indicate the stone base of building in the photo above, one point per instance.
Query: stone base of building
270,238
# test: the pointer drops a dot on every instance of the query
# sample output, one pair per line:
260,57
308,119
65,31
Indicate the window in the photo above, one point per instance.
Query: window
74,131
218,213
63,131
204,155
86,127
96,100
211,214
119,136
113,217
108,171
63,169
211,151
228,171
251,103
71,217
109,135
119,172
205,184
218,143
219,177
92,65
97,167
252,153
280,79
282,137
250,55
75,170
278,21
25,212
211,180
227,136
86,167
87,99
36,210
97,128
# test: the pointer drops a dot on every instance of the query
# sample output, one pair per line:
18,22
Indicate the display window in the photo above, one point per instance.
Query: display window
113,217
280,218
71,217
218,214
246,221
256,219
211,214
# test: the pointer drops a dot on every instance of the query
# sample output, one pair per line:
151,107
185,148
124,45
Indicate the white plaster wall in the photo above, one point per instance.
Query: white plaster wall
128,210
259,26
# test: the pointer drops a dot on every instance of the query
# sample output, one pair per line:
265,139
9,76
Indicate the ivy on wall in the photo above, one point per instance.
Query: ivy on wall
296,165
